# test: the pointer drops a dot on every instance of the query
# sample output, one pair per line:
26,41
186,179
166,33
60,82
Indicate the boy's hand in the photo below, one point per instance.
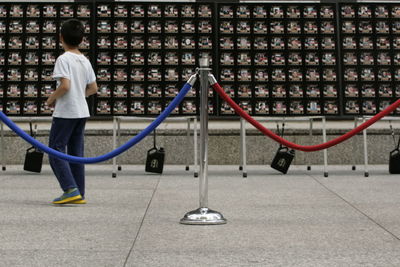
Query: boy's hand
50,102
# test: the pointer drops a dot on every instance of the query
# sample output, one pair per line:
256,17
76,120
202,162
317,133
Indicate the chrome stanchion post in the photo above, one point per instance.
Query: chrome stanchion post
196,161
114,160
366,172
203,215
3,164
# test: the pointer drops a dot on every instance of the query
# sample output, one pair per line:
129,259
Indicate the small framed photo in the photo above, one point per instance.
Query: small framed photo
244,58
188,11
246,106
188,58
104,26
261,90
103,107
368,90
15,42
137,26
331,108
49,10
120,26
30,107
120,11
120,90
367,74
277,59
154,11
295,90
385,90
348,26
154,90
364,11
294,43
261,108
348,11
15,26
31,74
32,11
384,75
13,90
312,75
14,74
260,43
204,11
16,11
137,107
137,74
351,90
329,75
171,26
278,75
171,90
137,42
48,42
120,74
381,11
46,90
31,26
45,109
279,91
120,107
154,107
330,90
244,90
3,11
154,26
66,11
137,11
103,11
310,27
296,107
312,59
276,12
259,11
277,27
310,12
244,75
171,42
243,27
293,12
13,107
313,107
226,27
295,75
171,74
227,75
104,90
120,42
242,11
226,109
104,74
369,106
260,27
313,91
83,11
137,90
14,58
327,12
350,74
31,90
328,58
171,11
279,107
383,42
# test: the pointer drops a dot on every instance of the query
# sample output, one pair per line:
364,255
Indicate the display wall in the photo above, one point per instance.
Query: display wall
273,59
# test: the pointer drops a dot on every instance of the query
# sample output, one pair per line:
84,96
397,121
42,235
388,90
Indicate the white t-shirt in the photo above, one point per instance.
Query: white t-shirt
79,71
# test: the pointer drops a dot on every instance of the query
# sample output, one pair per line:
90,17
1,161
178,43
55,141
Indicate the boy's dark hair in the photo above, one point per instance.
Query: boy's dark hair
72,32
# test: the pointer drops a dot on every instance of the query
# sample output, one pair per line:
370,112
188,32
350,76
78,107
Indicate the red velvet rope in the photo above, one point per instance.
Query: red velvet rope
285,142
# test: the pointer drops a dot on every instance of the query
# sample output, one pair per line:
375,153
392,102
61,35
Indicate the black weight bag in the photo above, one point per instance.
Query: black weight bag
283,157
155,158
33,157
394,156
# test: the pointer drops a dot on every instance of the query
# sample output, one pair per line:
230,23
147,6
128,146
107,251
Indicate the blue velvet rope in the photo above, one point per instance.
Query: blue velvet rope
133,141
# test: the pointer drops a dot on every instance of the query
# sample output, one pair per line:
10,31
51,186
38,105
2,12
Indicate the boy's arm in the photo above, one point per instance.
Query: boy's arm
91,89
64,87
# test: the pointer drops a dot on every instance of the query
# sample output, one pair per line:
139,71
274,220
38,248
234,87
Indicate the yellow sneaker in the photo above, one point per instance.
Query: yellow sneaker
81,201
68,196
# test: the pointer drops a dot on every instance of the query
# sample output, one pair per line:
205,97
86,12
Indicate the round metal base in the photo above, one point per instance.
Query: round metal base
203,216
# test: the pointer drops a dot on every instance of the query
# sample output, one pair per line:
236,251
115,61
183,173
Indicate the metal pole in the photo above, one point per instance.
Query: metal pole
203,215
188,144
118,140
311,138
366,173
3,164
354,143
114,172
325,150
196,161
243,146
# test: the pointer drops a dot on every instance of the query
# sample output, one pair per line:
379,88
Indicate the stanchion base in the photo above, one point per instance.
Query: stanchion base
353,168
203,216
366,174
3,168
114,175
120,168
308,168
196,175
187,168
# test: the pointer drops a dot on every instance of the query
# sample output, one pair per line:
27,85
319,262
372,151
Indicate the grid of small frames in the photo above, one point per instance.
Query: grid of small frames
146,52
279,59
29,46
370,56
272,58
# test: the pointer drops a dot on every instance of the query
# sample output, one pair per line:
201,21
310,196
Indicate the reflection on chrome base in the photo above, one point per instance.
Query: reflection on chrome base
203,216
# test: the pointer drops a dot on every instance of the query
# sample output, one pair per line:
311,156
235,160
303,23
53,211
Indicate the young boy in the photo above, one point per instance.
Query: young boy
75,81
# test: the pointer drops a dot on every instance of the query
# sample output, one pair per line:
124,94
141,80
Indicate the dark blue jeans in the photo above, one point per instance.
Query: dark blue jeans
68,134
